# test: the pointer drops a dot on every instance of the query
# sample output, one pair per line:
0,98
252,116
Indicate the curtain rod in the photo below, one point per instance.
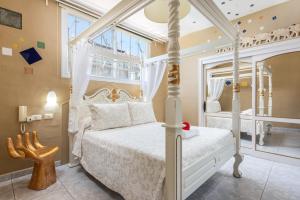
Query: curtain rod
97,15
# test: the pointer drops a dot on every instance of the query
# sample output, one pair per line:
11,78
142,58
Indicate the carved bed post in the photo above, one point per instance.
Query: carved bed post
270,101
236,122
261,89
173,109
261,105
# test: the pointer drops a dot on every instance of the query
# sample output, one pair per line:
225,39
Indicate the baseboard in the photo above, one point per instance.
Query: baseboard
22,172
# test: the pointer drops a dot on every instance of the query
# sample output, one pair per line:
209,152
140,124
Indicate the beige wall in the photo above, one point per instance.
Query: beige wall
41,23
189,89
287,14
16,88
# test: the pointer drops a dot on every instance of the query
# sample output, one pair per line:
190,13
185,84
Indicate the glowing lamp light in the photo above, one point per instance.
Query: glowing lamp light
51,100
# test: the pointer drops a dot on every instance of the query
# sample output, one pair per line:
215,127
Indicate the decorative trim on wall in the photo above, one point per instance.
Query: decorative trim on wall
281,34
256,53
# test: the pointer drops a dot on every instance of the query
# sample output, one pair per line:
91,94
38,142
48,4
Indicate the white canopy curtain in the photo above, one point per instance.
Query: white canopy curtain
152,74
215,90
81,68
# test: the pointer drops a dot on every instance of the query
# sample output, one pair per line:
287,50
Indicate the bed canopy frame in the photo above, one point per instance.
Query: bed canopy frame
173,125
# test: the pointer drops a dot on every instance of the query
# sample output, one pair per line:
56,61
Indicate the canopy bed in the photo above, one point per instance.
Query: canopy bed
216,78
119,150
105,153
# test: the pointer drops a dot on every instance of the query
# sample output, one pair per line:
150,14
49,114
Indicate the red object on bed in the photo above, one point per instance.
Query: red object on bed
187,126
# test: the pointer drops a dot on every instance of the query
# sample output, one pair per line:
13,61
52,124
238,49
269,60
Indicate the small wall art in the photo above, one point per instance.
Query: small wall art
31,55
10,18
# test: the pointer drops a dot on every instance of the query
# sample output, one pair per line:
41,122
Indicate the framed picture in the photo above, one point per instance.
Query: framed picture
10,18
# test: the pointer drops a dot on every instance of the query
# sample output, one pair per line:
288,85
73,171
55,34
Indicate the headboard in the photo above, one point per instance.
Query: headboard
106,95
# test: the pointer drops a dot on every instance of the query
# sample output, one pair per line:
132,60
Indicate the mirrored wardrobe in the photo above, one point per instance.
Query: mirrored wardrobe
269,97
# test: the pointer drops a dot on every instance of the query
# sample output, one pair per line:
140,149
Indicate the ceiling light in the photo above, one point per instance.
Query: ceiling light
261,28
157,11
249,21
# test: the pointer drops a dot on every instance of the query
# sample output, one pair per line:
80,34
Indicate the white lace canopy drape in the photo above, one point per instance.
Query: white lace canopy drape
81,67
215,89
152,74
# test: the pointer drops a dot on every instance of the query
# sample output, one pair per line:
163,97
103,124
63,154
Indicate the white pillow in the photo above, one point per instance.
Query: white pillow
106,116
213,106
141,113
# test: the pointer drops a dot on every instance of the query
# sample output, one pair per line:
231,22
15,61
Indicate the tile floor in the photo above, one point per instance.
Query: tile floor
262,180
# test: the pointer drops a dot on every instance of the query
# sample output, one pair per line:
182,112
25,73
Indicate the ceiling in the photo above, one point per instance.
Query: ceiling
194,21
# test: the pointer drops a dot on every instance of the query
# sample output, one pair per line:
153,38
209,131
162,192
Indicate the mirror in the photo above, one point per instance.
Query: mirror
278,83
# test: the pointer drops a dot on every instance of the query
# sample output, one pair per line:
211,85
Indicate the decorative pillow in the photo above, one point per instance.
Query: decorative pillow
141,113
106,116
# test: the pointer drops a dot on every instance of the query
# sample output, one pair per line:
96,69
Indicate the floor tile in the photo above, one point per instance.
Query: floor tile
23,193
261,180
90,189
82,186
6,190
223,185
283,183
68,175
61,194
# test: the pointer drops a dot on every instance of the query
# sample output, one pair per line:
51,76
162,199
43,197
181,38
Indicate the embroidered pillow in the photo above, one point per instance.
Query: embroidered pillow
141,113
106,116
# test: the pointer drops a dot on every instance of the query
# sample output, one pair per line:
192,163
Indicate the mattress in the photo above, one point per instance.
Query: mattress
131,160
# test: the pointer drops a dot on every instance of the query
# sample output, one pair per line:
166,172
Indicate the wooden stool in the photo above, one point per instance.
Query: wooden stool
44,173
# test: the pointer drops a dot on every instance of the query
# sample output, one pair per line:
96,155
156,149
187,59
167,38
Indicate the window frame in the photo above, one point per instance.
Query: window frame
65,70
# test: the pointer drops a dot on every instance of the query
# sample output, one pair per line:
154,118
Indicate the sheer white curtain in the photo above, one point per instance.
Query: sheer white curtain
81,68
152,74
215,90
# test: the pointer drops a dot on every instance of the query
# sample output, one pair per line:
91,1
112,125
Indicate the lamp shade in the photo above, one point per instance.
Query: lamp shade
158,10
51,99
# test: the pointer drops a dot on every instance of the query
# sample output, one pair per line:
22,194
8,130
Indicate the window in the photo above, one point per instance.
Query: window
121,51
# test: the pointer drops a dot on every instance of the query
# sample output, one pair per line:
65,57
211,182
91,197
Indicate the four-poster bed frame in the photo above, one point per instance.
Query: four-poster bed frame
173,125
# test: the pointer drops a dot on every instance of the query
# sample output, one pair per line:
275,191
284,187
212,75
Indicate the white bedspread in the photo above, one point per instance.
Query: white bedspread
131,160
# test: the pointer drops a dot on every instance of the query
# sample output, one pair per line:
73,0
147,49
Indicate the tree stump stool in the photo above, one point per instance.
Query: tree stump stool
44,173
